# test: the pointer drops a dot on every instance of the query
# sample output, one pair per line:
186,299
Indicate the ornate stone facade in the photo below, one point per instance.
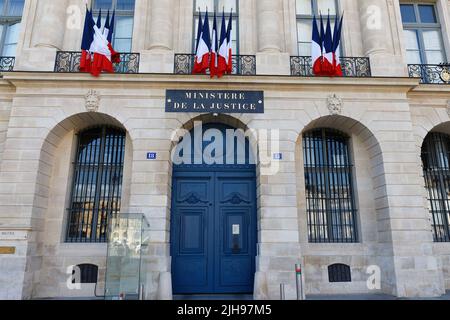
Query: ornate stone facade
387,118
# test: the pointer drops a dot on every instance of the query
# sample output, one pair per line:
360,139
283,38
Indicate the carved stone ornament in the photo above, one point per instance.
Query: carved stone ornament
92,101
334,104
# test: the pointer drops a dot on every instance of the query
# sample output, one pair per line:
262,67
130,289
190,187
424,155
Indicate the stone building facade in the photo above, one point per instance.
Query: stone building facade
387,116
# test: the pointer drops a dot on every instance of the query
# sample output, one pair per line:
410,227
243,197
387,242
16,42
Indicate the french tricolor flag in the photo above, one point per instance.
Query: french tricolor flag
201,63
98,54
316,48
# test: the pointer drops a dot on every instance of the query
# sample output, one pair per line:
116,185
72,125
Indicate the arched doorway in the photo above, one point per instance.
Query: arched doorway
214,220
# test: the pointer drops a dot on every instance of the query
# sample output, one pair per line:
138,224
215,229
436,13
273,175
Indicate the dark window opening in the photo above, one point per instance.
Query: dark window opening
89,273
339,273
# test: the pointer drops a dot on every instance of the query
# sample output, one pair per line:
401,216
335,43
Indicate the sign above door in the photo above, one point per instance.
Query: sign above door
214,101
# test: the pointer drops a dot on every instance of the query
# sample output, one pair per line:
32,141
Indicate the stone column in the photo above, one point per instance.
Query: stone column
161,25
271,58
44,36
158,55
278,234
378,24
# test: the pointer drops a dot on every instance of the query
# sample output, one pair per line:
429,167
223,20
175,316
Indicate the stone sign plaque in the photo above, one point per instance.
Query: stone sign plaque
209,101
13,235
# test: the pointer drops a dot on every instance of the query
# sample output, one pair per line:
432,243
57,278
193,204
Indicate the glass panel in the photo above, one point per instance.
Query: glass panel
125,275
304,49
125,5
304,30
103,4
228,5
2,6
327,5
413,57
15,8
203,4
408,13
434,57
124,27
11,38
432,40
427,14
304,7
123,34
412,39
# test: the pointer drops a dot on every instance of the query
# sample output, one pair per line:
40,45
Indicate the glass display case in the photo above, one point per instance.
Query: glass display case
127,241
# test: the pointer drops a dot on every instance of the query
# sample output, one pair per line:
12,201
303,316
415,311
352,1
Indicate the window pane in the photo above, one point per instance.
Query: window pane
304,49
408,14
427,14
125,5
434,57
203,4
124,27
304,30
228,4
11,37
15,7
412,40
103,4
2,6
325,5
304,7
432,40
413,57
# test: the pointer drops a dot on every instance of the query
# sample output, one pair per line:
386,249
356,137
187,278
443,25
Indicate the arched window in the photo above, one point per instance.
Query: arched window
97,184
330,202
123,29
436,169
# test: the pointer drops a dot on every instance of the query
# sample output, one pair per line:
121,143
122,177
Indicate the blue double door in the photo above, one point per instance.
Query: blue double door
213,230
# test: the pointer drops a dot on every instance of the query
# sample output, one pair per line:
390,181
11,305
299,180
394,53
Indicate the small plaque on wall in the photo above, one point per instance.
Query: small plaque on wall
7,250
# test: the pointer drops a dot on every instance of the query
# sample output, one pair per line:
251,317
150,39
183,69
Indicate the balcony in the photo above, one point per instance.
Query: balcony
69,61
359,67
244,65
430,73
7,63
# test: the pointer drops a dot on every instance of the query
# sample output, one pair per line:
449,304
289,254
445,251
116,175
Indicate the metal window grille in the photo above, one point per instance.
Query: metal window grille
436,170
89,273
331,210
339,273
97,184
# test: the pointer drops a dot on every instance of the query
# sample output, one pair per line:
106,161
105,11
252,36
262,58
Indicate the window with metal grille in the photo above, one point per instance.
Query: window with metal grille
339,273
436,170
10,22
330,202
88,273
97,184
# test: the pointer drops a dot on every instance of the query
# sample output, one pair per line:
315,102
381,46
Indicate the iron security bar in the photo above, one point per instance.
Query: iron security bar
301,66
244,65
69,61
430,73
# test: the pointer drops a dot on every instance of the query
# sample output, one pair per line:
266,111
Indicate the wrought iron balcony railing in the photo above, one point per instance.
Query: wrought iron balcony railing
69,61
7,63
244,65
351,66
430,73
